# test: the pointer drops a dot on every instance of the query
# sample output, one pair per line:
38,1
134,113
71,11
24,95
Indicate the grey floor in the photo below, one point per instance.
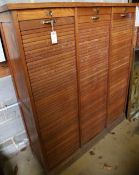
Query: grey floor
12,131
116,154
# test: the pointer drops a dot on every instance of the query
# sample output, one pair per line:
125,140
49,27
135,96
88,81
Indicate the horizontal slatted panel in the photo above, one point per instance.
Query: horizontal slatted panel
93,58
121,44
52,73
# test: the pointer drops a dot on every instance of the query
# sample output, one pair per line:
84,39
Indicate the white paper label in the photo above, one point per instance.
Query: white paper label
54,37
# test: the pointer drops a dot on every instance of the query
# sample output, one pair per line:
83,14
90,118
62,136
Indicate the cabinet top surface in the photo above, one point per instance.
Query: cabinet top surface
23,6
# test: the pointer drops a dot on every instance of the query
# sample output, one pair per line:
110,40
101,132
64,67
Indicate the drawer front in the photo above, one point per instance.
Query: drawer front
44,13
52,73
93,11
93,66
119,64
25,26
116,10
123,16
93,19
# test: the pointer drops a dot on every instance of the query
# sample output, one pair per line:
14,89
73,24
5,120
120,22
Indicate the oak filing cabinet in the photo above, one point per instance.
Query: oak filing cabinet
71,90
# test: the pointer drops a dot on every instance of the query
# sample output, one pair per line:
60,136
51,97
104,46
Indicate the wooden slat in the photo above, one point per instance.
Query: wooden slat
93,11
123,9
93,57
93,126
44,13
35,24
116,110
85,19
119,64
23,6
120,16
39,30
52,73
67,146
44,32
4,70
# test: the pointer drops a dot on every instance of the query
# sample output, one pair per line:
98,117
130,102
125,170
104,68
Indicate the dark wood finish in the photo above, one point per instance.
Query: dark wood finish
70,90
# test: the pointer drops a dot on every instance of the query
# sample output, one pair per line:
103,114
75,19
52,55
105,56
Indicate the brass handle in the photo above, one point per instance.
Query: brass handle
95,17
123,14
48,21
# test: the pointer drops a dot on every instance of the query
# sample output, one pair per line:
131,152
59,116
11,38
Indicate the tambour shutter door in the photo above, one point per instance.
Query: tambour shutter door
93,60
52,74
119,62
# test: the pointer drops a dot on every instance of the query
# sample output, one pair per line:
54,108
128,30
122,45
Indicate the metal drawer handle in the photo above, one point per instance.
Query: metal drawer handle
48,21
123,14
95,17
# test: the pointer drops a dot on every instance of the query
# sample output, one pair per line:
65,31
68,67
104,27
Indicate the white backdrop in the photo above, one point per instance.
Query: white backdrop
2,57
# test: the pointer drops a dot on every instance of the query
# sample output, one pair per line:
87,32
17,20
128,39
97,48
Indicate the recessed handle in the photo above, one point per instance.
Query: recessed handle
123,14
48,21
95,17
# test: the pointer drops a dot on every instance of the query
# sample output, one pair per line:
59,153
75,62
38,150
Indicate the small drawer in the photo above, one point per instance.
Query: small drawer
122,16
42,23
94,18
44,13
94,11
123,10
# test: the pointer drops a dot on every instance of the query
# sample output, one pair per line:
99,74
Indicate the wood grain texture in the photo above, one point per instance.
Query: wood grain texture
68,91
93,11
123,10
44,13
5,17
52,73
23,6
4,70
93,68
119,63
15,62
15,59
37,24
137,37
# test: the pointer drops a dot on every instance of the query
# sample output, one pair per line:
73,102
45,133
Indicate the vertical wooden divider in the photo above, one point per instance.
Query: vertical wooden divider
108,69
78,71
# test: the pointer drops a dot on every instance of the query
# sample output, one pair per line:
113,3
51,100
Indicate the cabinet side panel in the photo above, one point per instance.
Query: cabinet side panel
18,75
